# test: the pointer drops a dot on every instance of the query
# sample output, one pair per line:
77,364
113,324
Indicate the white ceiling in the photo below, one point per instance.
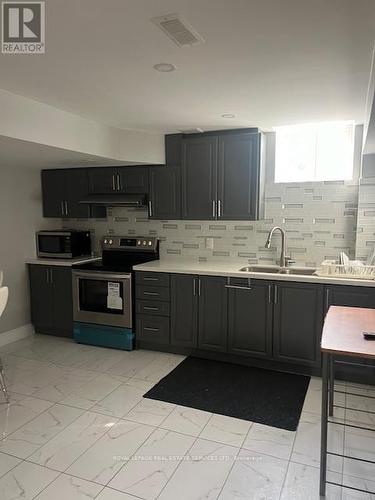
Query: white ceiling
270,62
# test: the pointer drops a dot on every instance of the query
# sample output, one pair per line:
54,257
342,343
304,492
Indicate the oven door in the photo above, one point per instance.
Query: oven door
102,298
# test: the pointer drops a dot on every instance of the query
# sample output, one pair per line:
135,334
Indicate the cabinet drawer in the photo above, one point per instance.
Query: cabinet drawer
152,307
153,329
153,279
152,293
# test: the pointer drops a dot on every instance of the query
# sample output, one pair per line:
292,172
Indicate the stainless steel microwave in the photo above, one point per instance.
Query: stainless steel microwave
63,244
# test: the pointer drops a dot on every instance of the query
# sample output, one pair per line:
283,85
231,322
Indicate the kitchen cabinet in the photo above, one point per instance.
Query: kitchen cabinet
130,180
184,310
173,150
212,304
62,191
298,322
238,176
222,176
199,175
250,317
165,193
51,299
350,296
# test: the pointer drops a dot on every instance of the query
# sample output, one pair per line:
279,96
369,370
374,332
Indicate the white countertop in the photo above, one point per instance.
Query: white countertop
231,269
62,262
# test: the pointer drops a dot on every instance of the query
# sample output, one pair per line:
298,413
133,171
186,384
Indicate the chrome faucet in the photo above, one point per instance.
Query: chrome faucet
284,261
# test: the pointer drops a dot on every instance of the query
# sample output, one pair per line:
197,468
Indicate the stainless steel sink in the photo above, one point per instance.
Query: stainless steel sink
300,271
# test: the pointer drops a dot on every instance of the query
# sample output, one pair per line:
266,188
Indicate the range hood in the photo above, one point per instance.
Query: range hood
115,200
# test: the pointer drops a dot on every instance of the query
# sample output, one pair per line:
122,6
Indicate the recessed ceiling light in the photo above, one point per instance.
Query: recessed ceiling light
164,67
228,115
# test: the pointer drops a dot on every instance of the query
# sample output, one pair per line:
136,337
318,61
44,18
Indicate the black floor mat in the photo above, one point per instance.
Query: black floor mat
264,396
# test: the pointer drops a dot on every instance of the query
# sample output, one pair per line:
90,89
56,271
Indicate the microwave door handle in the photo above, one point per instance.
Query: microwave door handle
62,208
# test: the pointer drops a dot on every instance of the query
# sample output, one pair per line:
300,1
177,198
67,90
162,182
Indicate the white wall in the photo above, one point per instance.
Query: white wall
20,217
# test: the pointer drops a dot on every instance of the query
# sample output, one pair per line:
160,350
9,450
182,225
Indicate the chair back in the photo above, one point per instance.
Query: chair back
4,294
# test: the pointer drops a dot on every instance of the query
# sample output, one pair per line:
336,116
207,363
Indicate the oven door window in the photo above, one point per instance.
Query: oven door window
101,296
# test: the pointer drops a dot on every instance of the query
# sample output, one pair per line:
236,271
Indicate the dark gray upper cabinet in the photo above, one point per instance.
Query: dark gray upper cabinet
350,296
62,191
165,193
199,177
238,176
250,317
131,180
298,321
51,299
212,330
173,149
184,310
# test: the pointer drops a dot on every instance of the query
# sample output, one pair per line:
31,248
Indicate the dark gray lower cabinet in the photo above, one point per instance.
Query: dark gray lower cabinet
212,331
298,321
350,296
250,317
51,299
184,310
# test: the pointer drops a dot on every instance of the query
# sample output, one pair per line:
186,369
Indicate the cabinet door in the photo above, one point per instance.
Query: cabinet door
165,193
199,172
184,310
77,187
238,176
102,180
350,296
173,149
133,180
62,306
212,313
53,192
250,318
41,298
298,321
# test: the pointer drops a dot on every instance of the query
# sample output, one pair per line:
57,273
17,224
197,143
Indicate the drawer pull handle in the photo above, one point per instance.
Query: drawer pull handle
148,308
150,293
150,279
238,287
151,329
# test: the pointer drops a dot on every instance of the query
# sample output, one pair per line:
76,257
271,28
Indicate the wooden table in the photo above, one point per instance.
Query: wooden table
342,336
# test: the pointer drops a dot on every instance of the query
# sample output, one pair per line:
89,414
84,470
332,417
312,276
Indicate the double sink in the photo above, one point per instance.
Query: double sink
300,271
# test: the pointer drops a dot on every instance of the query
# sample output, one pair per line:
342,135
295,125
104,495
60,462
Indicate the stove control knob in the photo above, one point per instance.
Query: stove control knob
139,242
149,243
105,242
144,243
110,242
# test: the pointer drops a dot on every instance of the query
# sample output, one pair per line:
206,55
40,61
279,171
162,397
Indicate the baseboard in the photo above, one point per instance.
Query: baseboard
16,334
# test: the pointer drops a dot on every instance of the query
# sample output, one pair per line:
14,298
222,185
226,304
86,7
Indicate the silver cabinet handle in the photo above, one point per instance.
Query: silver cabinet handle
275,300
118,182
199,286
219,208
150,208
66,208
327,298
150,279
269,294
47,275
213,208
113,183
237,287
62,208
195,287
149,308
150,293
148,328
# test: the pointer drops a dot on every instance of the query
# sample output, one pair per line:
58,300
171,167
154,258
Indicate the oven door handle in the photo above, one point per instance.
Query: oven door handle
102,276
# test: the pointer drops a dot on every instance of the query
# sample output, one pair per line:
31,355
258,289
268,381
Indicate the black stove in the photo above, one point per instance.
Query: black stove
121,253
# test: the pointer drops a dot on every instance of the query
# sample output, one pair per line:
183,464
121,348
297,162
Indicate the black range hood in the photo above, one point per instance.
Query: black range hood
115,200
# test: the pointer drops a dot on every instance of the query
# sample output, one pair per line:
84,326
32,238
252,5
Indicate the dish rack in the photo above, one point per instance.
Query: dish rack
332,269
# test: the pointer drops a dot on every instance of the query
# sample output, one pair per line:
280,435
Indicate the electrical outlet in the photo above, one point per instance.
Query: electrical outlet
210,243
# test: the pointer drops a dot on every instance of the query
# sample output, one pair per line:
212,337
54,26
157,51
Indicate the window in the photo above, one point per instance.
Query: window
314,152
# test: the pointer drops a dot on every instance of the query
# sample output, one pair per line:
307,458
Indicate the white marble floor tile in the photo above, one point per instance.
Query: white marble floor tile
159,368
270,441
255,477
110,494
363,484
25,481
226,430
204,475
59,389
306,449
313,399
120,401
132,362
62,450
31,436
68,487
361,444
150,411
149,470
302,483
90,393
7,463
21,410
106,457
186,420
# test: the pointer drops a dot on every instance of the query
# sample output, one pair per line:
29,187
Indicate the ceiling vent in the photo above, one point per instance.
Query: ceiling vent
178,30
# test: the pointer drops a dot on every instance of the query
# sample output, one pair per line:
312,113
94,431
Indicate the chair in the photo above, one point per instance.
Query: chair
4,293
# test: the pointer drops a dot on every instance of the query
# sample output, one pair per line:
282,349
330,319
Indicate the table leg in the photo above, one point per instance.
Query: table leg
331,384
324,425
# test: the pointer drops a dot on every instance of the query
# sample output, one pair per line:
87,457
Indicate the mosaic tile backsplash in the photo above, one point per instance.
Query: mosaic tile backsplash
366,219
320,221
